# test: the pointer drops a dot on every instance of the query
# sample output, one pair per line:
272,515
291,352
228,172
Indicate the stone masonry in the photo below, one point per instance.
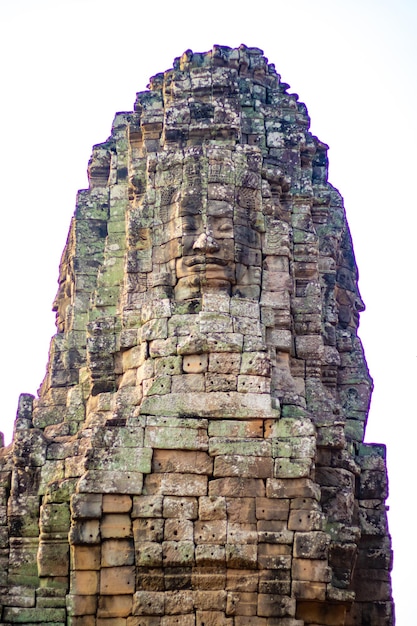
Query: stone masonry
195,456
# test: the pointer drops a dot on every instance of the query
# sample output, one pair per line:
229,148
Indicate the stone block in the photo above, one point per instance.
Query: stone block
248,327
224,363
311,545
85,620
188,383
122,459
210,555
113,607
163,347
253,384
134,357
84,582
33,615
309,590
294,447
309,346
54,518
178,529
287,427
178,553
244,466
210,600
216,301
212,618
148,603
331,437
147,506
216,404
176,484
81,605
143,620
255,364
242,580
85,557
116,481
240,556
279,338
154,329
189,422
335,477
210,531
276,582
274,556
236,428
115,526
145,372
325,614
241,603
241,533
152,578
213,322
179,602
271,509
372,522
148,529
182,325
292,468
271,605
212,508
249,620
182,462
157,386
305,520
195,363
148,554
292,488
87,531
236,487
168,366
273,531
313,570
220,382
117,580
178,620
53,558
175,438
113,503
180,507
249,446
116,552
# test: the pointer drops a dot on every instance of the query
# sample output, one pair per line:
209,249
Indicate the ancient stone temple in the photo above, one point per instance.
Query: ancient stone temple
195,456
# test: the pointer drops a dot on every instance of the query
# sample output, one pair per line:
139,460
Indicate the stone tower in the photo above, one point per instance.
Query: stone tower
195,456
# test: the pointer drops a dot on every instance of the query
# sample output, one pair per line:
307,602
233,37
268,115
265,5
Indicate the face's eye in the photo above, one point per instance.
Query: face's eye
227,227
191,224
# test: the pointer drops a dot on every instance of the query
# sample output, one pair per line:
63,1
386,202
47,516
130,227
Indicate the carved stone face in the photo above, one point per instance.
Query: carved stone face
348,298
213,220
61,302
208,257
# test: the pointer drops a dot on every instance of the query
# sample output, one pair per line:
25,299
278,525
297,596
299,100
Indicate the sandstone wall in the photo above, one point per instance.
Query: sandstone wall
195,455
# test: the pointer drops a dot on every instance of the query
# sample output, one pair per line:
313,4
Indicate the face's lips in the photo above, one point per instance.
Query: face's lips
203,260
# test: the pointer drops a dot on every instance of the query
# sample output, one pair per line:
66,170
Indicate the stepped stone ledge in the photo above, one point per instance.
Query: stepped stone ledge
196,453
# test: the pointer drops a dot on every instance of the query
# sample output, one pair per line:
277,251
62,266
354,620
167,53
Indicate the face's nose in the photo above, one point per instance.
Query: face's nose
359,303
206,243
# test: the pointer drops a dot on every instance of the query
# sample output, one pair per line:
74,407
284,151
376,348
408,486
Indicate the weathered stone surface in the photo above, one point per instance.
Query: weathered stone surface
196,456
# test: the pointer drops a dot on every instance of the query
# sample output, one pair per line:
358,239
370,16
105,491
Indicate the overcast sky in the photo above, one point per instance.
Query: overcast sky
68,65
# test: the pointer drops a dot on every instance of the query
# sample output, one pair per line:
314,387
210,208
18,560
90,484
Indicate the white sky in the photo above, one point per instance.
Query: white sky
68,65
